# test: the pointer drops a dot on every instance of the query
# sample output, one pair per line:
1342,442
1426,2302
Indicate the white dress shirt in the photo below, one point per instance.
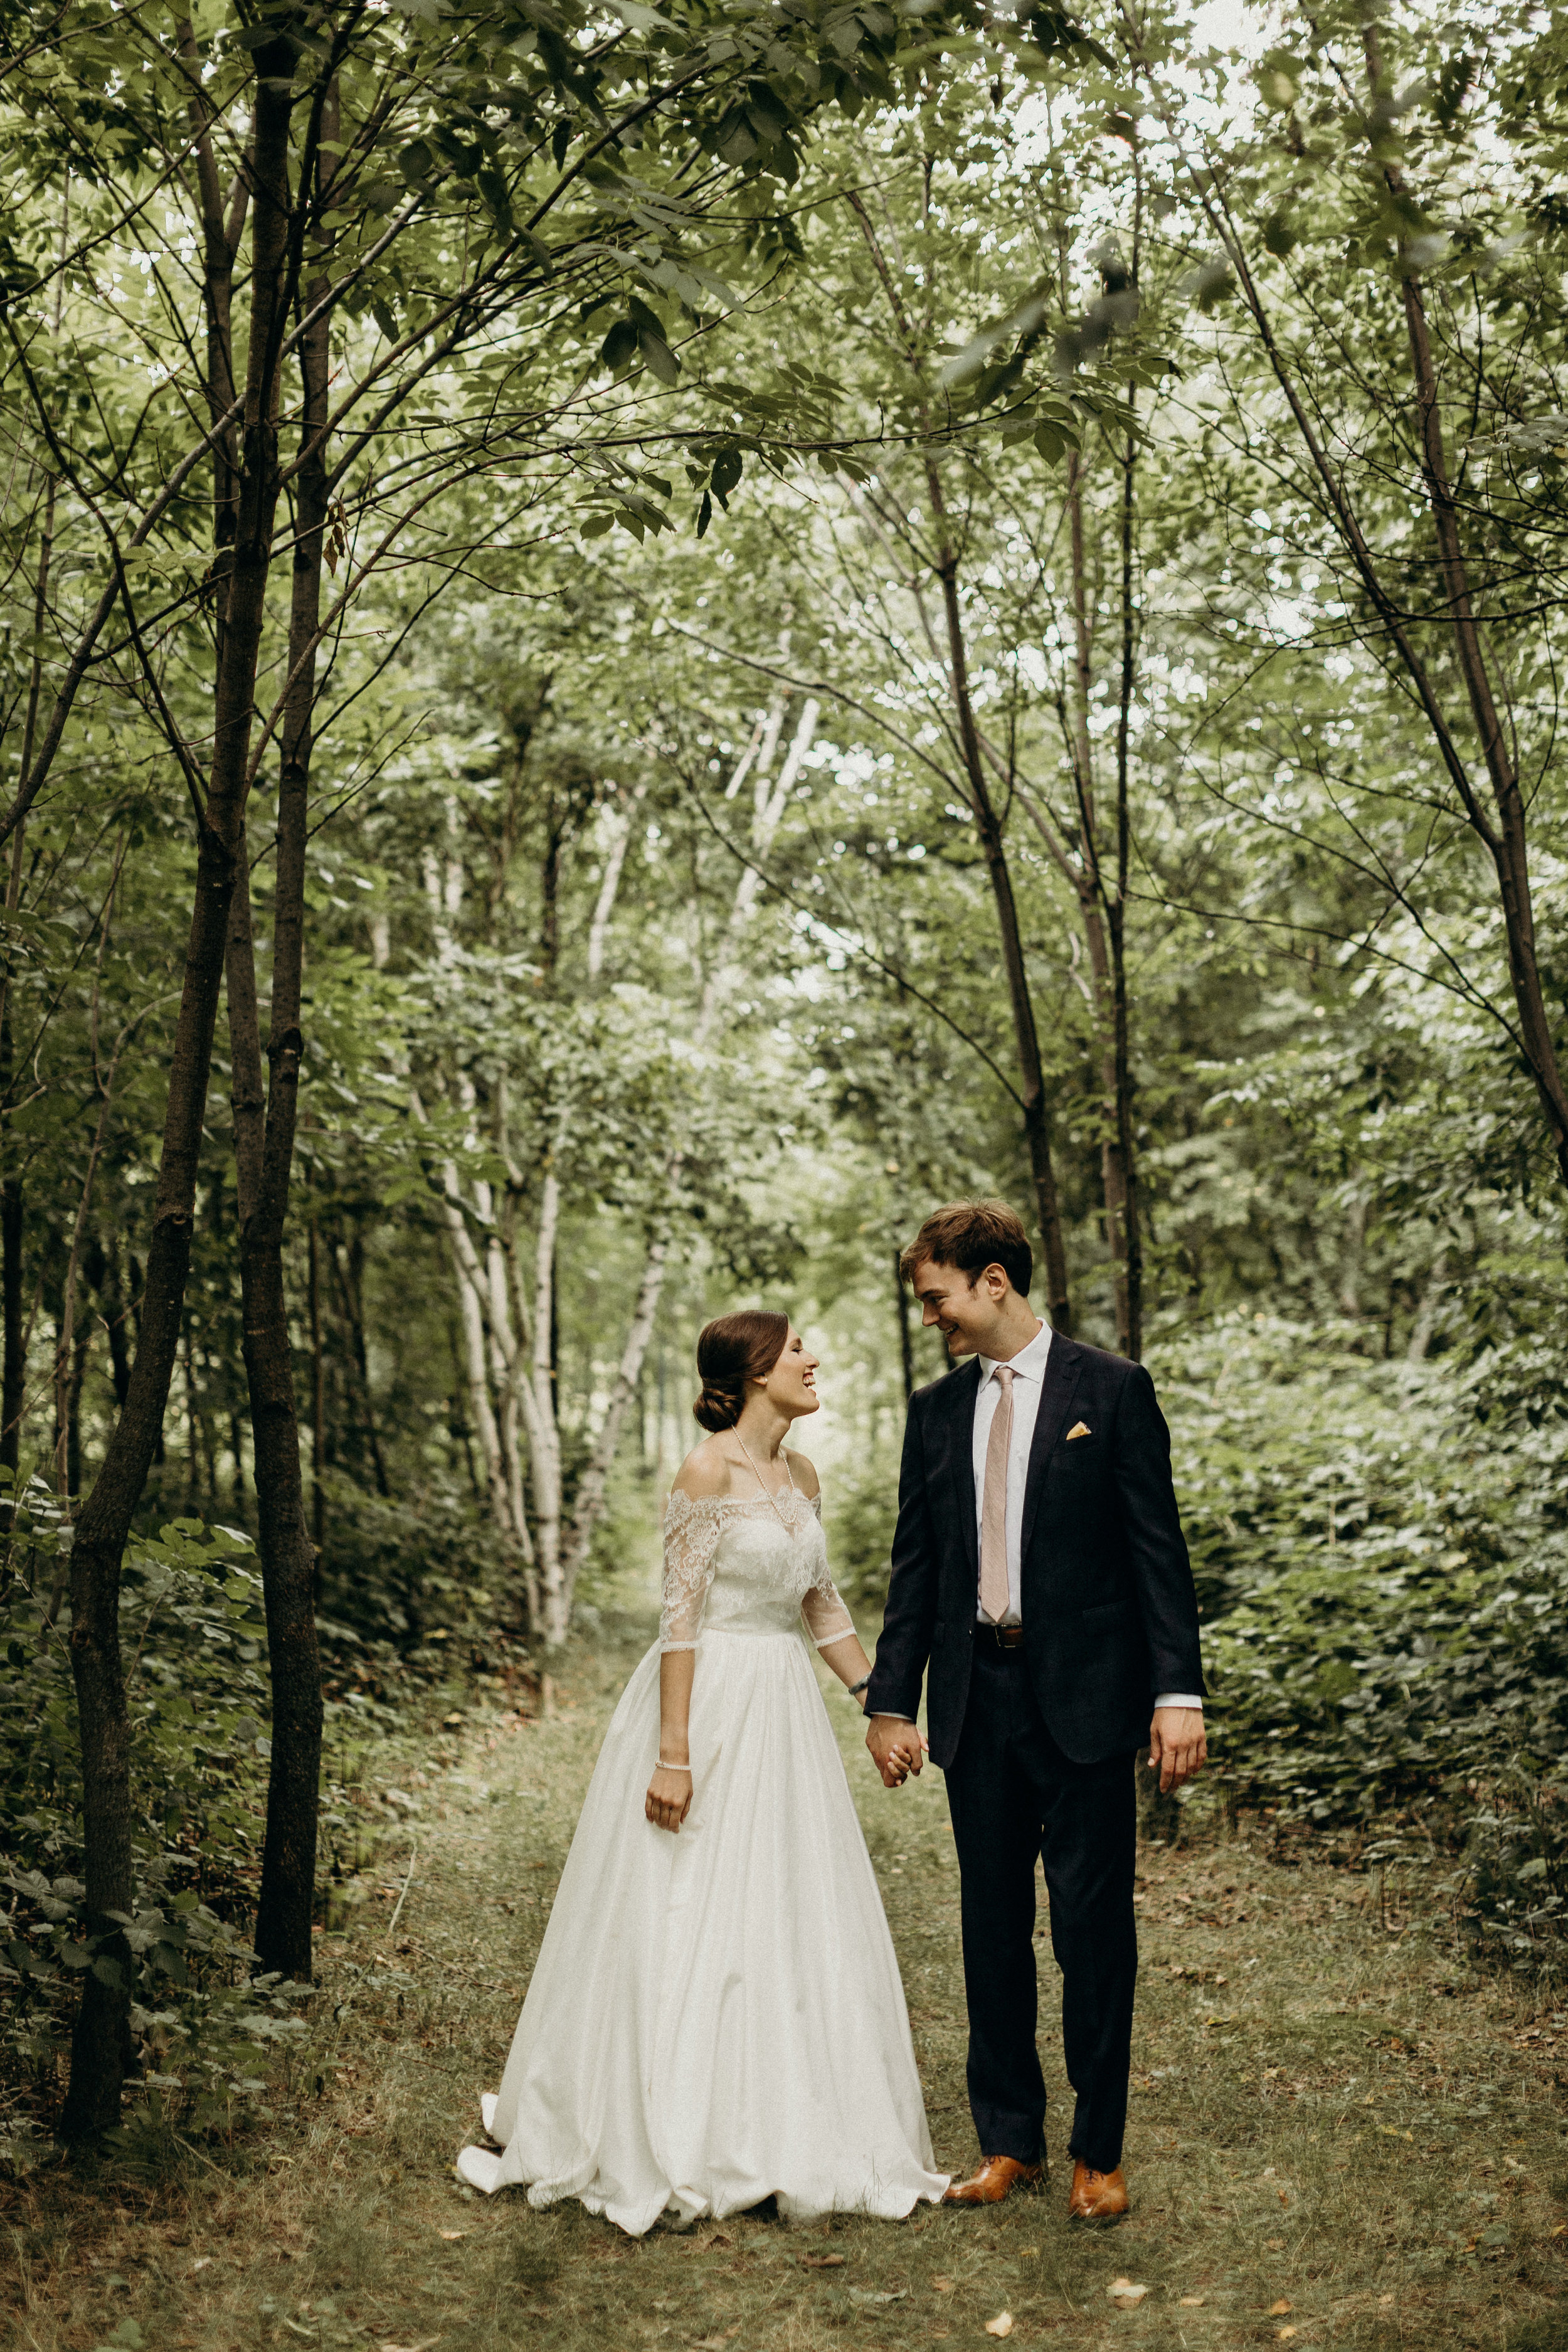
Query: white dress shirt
1028,1371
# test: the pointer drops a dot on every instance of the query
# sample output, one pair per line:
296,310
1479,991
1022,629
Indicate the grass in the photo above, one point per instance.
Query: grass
1338,2137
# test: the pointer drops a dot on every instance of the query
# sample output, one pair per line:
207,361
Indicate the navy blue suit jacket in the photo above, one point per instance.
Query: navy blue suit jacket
1110,1614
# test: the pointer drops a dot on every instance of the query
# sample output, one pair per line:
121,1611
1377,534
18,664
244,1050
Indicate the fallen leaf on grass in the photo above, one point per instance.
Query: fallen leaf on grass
451,2234
1125,2295
944,2285
822,2262
424,2346
1191,2302
1001,2326
1278,2310
878,2293
206,2263
1284,2334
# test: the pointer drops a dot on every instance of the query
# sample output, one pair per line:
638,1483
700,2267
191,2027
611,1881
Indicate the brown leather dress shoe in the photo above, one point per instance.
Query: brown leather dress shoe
991,2183
1096,2195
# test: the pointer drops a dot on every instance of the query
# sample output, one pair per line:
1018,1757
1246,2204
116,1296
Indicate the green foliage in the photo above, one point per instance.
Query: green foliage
194,1634
1381,1550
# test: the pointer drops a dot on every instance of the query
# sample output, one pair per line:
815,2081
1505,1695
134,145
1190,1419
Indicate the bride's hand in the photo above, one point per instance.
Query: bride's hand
668,1799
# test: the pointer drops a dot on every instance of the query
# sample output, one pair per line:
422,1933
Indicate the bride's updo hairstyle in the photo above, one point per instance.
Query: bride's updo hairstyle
731,1350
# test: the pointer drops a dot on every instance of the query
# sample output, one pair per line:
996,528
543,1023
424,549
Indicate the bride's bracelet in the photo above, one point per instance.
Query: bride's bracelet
666,1766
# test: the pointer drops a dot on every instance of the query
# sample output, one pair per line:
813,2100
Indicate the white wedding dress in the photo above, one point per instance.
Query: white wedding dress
716,2016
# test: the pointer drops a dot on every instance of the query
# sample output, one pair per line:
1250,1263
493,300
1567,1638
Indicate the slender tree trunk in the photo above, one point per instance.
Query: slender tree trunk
13,1378
1352,1251
100,2043
349,1285
289,1554
1032,1084
318,1397
543,1433
609,886
1093,905
1427,1313
14,1347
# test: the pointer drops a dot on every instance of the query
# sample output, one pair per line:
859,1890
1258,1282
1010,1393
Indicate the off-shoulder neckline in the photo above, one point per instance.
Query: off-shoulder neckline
743,1502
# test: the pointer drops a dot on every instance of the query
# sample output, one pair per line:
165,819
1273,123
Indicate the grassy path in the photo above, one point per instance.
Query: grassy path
1337,2137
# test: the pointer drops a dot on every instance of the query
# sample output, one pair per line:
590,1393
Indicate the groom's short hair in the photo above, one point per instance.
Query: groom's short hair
970,1235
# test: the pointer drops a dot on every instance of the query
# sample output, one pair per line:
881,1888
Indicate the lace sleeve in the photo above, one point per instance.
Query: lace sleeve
826,1619
690,1540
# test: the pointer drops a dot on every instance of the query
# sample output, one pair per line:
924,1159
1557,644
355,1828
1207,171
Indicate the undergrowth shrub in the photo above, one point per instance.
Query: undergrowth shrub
1381,1549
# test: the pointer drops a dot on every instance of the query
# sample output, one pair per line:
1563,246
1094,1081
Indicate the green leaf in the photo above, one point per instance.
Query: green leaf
496,194
640,19
620,347
726,474
704,516
657,357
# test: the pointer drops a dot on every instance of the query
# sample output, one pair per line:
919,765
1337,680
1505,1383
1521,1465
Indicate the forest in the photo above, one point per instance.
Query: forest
636,642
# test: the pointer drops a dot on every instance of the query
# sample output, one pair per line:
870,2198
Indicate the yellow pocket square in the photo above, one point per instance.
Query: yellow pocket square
1079,1429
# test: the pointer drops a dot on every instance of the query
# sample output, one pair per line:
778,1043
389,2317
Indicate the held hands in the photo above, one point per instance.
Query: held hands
668,1799
1177,1748
898,1748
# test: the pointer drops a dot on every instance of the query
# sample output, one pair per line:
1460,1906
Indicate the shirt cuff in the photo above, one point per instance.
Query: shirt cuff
1178,1698
891,1713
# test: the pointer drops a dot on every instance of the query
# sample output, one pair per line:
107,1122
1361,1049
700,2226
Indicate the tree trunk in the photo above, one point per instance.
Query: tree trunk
283,1918
101,1262
543,1434
349,1283
1427,1313
1032,1084
101,2042
318,1397
604,905
1110,984
14,1353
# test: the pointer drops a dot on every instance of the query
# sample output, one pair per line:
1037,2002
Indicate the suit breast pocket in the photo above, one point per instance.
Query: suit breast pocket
1077,1454
1105,1615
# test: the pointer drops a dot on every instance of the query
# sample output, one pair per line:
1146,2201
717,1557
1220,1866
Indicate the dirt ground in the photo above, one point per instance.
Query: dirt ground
1339,2136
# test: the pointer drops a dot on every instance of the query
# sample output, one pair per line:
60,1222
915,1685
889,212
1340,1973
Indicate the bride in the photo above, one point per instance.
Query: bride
716,2015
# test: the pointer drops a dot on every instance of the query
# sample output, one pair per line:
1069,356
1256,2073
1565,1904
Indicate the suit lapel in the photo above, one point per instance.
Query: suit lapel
958,1394
1064,1363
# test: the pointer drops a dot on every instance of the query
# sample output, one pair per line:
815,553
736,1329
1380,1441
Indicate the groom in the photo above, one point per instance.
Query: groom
1040,1580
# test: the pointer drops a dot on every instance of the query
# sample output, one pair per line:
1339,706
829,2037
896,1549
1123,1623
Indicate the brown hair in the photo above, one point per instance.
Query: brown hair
970,1235
731,1350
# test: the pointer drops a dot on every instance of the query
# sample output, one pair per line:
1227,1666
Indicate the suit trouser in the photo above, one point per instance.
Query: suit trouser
1013,1794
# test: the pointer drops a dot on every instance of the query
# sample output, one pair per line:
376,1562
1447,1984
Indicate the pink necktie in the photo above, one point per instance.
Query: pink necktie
995,1595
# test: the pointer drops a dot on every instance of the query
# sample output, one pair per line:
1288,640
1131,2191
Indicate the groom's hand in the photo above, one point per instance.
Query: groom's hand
897,1748
1177,1748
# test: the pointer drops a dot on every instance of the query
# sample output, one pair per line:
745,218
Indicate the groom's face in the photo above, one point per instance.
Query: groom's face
963,1306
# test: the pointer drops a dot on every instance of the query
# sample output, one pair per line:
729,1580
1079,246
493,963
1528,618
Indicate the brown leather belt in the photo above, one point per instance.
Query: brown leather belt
1002,1637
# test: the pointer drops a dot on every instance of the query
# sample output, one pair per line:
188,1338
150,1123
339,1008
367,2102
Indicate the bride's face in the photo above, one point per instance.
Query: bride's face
791,1385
